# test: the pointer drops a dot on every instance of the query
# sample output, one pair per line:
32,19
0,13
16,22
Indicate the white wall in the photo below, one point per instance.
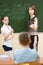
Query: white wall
40,44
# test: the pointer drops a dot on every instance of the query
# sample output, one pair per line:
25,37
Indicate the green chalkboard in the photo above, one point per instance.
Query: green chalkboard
16,10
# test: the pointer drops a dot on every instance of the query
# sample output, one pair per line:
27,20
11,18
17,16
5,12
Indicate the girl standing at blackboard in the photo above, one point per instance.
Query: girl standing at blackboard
33,27
7,35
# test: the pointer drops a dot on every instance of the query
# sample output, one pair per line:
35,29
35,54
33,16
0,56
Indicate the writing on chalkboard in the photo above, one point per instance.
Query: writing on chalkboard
16,10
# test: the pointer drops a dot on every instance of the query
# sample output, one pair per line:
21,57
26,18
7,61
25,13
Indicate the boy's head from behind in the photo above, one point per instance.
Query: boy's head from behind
24,39
5,20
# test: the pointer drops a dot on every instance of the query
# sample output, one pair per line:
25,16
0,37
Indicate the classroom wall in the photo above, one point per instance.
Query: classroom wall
15,44
16,10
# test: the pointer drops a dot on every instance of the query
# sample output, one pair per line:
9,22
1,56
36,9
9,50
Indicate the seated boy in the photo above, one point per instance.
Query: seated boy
25,54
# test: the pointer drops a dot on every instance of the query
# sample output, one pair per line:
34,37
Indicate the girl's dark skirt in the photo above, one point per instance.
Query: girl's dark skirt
6,48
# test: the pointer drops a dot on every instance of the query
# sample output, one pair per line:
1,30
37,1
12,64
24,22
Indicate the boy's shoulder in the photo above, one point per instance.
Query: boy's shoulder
34,52
31,50
17,51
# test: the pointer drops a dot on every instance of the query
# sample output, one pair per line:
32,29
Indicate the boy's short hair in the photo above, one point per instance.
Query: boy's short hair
24,38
